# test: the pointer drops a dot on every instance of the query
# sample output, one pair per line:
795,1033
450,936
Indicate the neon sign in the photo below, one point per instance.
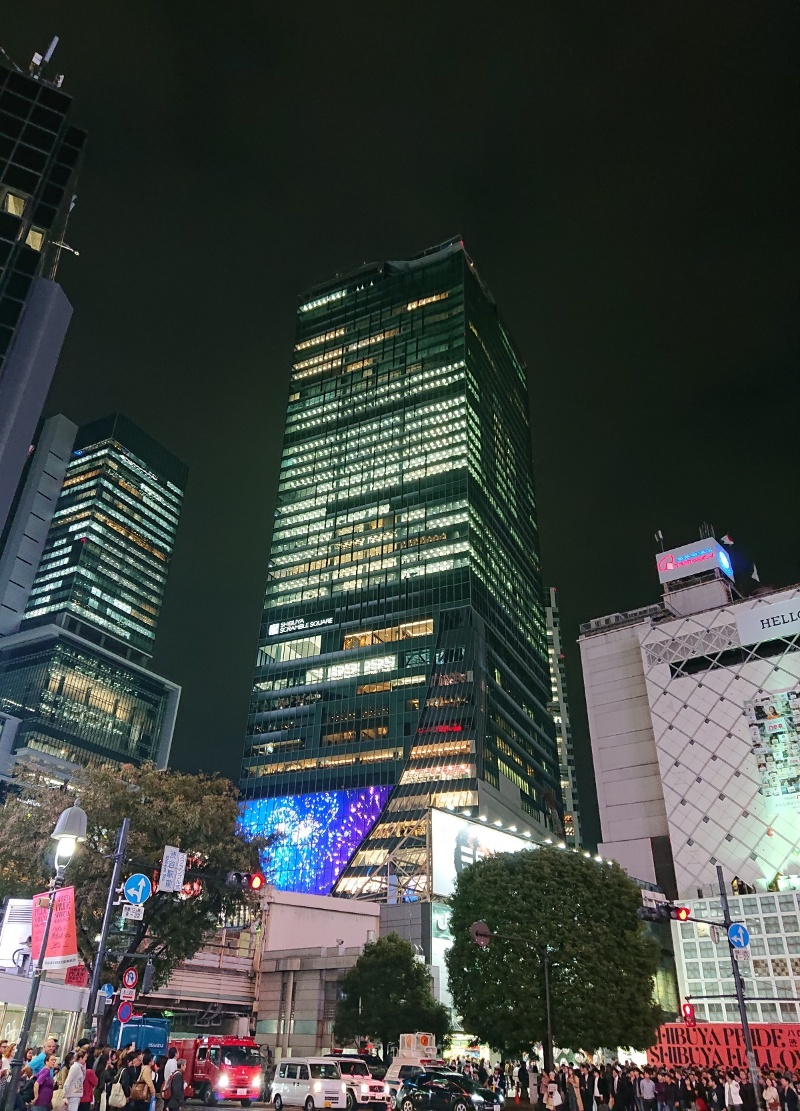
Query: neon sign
671,562
691,559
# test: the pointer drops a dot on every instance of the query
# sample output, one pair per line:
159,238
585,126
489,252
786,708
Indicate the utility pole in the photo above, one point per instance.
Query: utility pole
97,968
547,1048
737,982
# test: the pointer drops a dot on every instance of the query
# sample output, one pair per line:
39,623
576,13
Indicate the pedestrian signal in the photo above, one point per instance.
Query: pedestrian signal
688,1014
681,913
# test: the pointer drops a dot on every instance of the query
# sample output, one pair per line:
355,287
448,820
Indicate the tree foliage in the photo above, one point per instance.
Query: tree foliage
387,993
602,961
197,813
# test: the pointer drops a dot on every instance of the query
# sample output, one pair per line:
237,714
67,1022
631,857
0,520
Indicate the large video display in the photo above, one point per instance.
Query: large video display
456,843
774,722
310,838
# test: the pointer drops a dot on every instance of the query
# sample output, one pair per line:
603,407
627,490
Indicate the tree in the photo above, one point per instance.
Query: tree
387,993
195,812
602,961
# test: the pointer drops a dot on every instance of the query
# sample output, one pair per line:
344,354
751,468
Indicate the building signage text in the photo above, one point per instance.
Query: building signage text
781,619
691,559
721,1045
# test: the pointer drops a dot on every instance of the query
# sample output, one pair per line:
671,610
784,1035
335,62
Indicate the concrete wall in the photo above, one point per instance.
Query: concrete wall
294,921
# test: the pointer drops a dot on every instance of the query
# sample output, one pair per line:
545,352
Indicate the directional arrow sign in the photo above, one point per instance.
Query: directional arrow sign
738,936
138,889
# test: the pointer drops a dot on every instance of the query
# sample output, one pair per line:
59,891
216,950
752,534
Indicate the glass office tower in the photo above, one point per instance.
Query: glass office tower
402,663
40,153
110,542
559,708
74,672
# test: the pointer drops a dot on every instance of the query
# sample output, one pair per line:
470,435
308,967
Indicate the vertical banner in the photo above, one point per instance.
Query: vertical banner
62,942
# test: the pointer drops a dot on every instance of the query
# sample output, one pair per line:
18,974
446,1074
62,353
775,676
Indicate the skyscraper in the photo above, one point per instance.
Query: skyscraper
39,155
559,708
74,670
402,663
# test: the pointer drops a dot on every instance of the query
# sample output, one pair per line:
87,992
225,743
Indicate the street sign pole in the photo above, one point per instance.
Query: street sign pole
97,968
737,983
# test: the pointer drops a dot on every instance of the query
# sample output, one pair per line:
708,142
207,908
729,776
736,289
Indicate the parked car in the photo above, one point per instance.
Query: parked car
309,1082
474,1088
363,1089
405,1068
431,1091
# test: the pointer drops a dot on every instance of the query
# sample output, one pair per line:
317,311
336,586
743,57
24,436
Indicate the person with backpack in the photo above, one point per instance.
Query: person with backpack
174,1088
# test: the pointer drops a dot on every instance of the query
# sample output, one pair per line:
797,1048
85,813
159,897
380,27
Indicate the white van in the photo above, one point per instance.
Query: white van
309,1082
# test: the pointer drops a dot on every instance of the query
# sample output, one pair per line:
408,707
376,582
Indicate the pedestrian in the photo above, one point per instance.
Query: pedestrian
789,1092
772,1100
90,1082
733,1095
647,1091
73,1081
522,1081
38,1062
159,1080
177,1095
45,1083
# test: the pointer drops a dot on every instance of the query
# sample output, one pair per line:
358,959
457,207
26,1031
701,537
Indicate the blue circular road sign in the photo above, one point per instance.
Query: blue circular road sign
124,1012
138,889
106,989
738,936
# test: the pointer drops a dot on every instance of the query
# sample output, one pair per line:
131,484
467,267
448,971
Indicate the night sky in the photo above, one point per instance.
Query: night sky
624,174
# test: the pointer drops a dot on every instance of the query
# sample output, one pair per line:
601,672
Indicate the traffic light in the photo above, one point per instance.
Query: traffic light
688,1014
245,881
663,912
147,978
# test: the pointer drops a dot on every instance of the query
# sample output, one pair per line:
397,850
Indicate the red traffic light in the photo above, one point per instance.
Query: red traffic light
682,913
257,881
688,1014
246,881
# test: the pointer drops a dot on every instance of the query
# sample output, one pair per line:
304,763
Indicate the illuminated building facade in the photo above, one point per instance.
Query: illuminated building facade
110,542
74,670
40,152
559,708
402,662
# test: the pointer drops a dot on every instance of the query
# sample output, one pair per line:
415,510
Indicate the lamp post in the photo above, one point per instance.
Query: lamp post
70,829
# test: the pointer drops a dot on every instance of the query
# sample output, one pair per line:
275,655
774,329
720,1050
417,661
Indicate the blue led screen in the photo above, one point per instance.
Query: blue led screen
312,837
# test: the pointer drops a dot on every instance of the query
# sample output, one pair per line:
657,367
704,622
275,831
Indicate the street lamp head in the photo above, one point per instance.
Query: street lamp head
70,829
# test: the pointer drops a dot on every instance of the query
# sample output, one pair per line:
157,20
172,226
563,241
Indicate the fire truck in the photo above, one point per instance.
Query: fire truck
222,1068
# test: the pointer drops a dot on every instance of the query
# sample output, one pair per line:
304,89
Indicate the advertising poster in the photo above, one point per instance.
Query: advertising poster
774,723
456,843
720,1045
62,942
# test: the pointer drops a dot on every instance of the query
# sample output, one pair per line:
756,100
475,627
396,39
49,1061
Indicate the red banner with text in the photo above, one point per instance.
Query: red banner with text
62,941
721,1044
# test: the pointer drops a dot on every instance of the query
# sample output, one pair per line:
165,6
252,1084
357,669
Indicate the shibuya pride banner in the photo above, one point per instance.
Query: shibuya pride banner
62,941
721,1045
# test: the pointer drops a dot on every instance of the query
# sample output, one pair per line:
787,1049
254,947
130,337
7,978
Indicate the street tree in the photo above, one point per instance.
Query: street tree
387,993
197,813
602,960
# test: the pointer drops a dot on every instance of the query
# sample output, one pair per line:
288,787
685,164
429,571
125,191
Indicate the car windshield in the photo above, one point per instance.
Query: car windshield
464,1082
240,1055
353,1068
325,1072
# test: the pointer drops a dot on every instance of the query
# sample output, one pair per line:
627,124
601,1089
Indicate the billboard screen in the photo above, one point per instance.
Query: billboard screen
310,838
457,842
692,559
774,722
780,619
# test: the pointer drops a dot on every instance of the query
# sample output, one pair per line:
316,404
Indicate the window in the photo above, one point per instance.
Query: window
291,1072
201,1054
320,1071
35,238
303,1072
281,1068
14,202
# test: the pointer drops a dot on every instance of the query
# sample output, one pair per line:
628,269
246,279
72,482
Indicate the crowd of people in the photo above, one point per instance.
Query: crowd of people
94,1078
625,1087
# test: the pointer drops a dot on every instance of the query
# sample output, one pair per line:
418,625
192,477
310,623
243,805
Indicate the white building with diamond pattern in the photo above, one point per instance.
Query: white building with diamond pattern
696,736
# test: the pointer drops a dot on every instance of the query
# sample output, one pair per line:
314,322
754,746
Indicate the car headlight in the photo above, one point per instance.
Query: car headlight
365,1089
224,1080
387,1091
344,1089
317,1085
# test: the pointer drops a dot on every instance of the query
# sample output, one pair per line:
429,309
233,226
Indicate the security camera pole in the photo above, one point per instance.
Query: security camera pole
482,936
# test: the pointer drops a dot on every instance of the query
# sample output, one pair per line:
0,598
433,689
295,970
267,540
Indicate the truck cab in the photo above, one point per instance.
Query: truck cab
222,1068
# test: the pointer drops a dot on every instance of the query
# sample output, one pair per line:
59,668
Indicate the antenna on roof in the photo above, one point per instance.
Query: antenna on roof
38,62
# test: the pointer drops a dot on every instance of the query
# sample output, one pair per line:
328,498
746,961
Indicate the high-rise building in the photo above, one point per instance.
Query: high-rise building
110,542
559,708
39,155
79,627
402,663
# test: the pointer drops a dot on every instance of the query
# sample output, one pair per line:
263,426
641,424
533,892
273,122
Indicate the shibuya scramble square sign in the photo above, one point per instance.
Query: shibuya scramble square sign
721,1045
